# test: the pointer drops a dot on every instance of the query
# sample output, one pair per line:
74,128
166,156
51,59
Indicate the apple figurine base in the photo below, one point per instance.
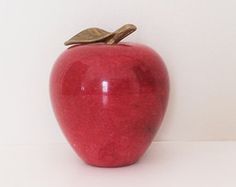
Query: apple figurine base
109,100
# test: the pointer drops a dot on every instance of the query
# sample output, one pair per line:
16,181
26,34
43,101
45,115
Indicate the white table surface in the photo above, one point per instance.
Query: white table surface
166,164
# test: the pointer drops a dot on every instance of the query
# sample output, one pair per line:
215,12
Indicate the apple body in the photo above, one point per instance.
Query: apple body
109,100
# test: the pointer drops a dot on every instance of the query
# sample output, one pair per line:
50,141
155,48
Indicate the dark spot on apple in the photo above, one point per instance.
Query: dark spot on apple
144,75
150,129
136,105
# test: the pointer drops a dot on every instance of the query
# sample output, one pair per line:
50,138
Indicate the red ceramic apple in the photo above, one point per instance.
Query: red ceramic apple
109,98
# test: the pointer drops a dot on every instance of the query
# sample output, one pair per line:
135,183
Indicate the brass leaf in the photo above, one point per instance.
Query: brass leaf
90,35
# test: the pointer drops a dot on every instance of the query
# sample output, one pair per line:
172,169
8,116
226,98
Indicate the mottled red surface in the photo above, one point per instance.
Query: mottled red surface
109,100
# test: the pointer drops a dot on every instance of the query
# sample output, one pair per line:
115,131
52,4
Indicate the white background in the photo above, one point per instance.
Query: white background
196,38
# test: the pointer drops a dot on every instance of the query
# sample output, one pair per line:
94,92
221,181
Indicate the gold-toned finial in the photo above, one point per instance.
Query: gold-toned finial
94,35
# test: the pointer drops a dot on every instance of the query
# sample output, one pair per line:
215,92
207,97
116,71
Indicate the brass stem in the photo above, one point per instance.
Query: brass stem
94,35
121,33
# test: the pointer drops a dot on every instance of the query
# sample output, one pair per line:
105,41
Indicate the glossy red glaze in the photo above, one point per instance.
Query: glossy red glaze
109,100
